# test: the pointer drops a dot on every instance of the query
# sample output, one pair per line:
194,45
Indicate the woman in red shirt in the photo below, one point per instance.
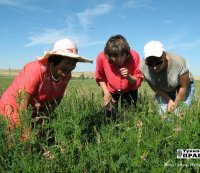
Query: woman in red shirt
118,74
41,84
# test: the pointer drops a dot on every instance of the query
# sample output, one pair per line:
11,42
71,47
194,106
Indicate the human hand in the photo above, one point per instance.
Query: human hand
171,105
124,72
107,98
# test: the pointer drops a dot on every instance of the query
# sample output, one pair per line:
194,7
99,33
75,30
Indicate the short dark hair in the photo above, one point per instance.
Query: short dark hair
55,59
116,46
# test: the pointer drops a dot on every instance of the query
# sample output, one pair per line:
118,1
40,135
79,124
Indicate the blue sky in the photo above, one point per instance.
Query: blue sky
29,27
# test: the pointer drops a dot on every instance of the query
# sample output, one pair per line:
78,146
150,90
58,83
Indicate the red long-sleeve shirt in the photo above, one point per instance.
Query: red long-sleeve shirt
110,74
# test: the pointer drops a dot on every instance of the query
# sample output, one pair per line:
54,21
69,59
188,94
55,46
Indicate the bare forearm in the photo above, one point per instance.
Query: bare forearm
183,81
163,95
104,88
23,100
160,92
180,96
131,79
107,96
125,73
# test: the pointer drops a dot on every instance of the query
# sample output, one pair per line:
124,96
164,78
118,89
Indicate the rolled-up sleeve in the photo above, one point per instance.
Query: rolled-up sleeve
99,72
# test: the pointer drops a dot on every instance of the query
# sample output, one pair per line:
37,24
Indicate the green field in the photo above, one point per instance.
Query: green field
86,141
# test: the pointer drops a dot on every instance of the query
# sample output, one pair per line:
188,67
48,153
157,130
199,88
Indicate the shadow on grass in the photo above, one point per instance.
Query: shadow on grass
91,124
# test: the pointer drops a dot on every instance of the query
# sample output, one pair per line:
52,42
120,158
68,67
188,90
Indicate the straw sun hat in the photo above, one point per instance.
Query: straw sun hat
66,48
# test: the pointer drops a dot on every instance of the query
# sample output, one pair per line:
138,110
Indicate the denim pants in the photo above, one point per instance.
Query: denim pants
187,100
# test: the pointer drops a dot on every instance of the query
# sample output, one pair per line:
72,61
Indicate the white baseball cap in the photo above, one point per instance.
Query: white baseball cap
153,48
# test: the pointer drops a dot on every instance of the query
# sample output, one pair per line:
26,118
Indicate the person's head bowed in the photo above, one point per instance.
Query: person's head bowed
154,54
117,47
64,48
62,59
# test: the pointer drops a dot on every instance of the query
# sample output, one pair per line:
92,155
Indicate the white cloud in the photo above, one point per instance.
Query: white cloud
167,22
50,36
176,37
188,45
22,4
9,2
137,3
86,16
47,37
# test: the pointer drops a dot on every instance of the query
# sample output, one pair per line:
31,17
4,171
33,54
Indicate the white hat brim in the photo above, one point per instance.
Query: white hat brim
68,54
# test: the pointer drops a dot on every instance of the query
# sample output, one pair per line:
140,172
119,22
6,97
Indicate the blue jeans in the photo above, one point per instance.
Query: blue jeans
187,100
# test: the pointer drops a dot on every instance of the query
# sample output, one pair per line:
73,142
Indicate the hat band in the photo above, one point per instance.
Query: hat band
69,50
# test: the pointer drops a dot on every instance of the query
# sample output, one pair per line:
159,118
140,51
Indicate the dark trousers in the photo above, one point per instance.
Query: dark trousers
127,99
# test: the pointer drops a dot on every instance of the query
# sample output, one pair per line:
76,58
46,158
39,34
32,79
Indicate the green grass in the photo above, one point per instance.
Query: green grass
87,141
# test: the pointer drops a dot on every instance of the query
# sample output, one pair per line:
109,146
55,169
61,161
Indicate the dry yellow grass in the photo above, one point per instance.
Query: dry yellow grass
196,77
8,72
74,74
86,74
